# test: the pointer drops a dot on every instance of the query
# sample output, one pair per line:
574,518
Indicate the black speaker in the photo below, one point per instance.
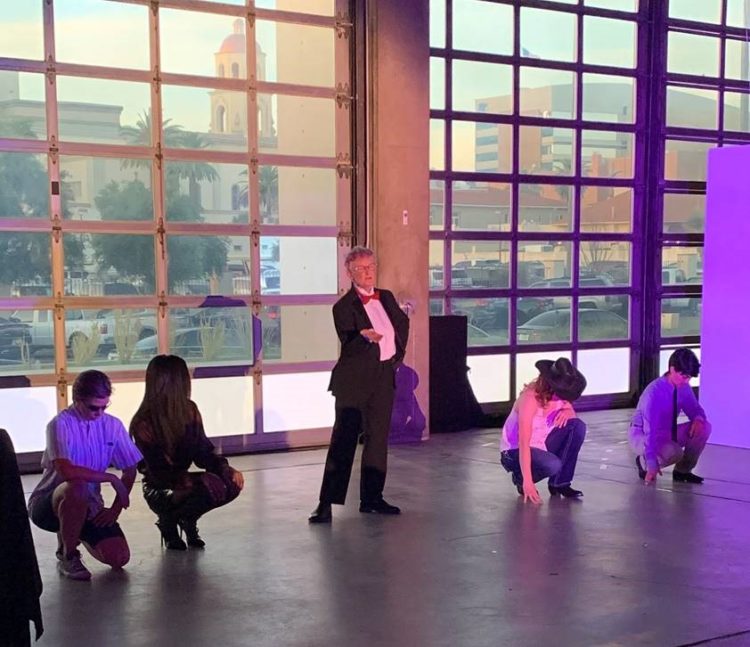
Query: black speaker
453,406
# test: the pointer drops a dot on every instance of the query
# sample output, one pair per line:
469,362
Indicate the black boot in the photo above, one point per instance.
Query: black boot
321,514
169,535
190,528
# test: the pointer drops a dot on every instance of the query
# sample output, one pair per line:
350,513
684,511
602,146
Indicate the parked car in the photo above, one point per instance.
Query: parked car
554,325
605,302
191,344
78,325
493,314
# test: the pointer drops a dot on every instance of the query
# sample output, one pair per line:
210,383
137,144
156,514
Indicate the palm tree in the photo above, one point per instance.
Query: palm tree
268,190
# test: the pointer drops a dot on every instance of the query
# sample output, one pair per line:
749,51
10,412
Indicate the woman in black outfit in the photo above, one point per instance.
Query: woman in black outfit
168,430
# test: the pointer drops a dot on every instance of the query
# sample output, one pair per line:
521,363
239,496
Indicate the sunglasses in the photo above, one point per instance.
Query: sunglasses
95,408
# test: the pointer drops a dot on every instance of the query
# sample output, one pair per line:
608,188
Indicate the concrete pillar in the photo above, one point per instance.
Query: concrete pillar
399,181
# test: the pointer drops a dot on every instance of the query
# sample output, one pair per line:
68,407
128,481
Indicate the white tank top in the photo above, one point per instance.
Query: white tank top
541,424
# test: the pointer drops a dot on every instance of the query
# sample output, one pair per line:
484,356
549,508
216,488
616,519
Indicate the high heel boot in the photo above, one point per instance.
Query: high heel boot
169,535
190,528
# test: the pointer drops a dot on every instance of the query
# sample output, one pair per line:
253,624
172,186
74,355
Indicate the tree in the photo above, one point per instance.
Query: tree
268,193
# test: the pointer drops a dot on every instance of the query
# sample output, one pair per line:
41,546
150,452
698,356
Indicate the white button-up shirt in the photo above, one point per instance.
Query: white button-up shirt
381,324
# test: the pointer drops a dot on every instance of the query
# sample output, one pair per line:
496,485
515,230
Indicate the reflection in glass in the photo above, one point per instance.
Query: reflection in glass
685,160
296,125
437,307
547,151
437,23
481,206
684,213
480,264
437,145
606,209
693,54
437,265
609,42
606,153
545,207
292,265
604,263
26,340
548,34
692,108
737,60
608,98
737,111
477,24
22,113
23,32
25,264
600,324
547,93
437,205
24,186
482,87
548,327
437,83
544,265
681,265
704,11
680,316
481,147
287,331
106,188
112,34
487,320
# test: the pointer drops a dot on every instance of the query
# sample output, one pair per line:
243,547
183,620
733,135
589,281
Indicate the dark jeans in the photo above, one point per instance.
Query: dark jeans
558,463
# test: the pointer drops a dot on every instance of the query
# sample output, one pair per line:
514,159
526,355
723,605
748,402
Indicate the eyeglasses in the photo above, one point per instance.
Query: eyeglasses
363,268
94,408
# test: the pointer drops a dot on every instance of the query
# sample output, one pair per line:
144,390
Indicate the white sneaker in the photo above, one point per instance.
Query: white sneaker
73,568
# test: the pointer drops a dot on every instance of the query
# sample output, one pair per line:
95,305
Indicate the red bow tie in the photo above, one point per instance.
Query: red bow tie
366,297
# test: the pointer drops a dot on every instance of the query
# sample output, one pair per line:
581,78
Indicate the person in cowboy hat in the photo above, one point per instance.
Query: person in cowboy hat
542,436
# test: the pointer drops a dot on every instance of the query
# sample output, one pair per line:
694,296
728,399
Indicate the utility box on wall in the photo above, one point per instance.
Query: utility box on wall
725,329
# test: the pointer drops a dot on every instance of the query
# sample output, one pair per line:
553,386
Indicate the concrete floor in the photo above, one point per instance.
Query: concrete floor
467,564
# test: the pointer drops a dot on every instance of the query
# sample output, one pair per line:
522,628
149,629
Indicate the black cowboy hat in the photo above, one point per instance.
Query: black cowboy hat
565,380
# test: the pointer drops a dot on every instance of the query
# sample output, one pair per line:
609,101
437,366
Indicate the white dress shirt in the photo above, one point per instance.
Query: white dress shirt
381,324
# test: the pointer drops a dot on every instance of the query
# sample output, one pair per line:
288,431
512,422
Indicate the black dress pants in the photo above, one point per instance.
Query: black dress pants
369,414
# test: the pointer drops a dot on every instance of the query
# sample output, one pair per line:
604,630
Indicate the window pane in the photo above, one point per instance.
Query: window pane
621,5
437,83
211,335
437,205
318,7
547,93
437,307
291,195
548,34
207,264
608,98
737,111
604,264
685,160
25,264
609,42
606,153
287,331
737,60
293,53
684,213
692,108
23,33
682,265
295,265
606,209
112,34
487,320
703,11
737,14
489,376
607,370
24,186
22,113
108,264
481,207
437,144
437,23
481,147
680,316
311,407
437,264
106,188
549,327
480,264
599,324
291,125
547,151
103,111
544,265
692,54
545,207
482,27
26,341
482,87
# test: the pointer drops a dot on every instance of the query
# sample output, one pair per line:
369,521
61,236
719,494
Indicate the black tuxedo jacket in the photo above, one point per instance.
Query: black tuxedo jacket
359,361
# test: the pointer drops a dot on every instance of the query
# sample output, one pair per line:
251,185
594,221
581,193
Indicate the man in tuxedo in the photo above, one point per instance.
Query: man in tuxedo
373,332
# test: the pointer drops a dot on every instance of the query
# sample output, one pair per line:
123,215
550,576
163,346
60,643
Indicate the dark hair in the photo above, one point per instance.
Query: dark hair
684,361
91,384
166,408
542,390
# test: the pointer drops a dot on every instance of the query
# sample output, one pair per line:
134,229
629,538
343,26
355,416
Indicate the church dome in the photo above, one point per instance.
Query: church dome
235,43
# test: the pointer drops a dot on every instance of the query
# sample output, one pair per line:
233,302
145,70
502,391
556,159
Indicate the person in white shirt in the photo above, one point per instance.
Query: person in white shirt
82,442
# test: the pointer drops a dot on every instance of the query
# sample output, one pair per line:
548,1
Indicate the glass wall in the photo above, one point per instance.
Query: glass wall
169,182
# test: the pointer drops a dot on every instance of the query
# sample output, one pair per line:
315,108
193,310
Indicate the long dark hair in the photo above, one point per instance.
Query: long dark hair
166,408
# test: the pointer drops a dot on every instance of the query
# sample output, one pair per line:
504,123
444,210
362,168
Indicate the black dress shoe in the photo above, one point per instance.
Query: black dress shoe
639,467
566,491
321,514
379,507
686,477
